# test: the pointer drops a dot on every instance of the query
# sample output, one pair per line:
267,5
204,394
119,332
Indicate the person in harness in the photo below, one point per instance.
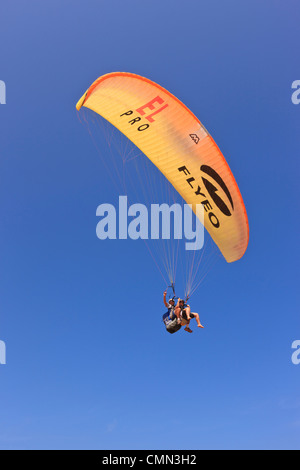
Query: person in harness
184,315
170,319
179,315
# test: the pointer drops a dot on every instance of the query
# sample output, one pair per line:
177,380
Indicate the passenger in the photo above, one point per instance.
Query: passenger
184,315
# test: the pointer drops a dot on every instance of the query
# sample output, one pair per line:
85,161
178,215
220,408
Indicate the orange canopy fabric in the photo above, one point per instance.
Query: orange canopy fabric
171,136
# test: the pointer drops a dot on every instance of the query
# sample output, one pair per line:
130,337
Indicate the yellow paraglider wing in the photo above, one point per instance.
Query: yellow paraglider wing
171,136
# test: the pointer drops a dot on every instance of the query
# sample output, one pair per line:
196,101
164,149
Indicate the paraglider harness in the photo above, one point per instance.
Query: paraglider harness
170,321
169,318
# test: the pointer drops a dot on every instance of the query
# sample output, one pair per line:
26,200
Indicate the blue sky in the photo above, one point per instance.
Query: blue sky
89,364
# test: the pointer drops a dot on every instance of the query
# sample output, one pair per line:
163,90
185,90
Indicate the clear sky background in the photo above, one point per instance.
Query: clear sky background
89,364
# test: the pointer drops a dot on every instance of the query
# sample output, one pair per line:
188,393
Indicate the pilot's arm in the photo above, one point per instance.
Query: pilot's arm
165,301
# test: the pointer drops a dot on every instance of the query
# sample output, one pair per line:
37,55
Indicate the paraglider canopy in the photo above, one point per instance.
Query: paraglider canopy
171,136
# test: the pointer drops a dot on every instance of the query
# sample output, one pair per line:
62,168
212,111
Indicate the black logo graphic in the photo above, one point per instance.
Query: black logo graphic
195,138
212,190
